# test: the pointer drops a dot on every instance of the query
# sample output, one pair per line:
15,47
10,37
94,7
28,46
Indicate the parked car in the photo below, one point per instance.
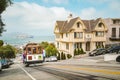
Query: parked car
0,66
114,49
10,62
101,52
5,63
98,51
51,59
47,59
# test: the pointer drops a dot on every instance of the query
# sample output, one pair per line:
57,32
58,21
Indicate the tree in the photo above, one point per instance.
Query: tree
1,43
7,52
50,49
3,5
44,44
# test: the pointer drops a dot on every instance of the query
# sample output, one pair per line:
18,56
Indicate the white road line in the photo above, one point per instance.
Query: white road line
27,73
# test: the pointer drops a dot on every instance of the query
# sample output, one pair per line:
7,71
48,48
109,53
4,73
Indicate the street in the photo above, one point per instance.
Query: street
61,70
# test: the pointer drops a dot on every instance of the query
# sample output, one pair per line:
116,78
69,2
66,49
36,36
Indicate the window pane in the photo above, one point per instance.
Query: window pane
113,32
74,34
67,45
81,34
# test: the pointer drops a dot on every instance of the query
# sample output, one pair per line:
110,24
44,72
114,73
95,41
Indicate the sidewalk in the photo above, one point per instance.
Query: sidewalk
89,61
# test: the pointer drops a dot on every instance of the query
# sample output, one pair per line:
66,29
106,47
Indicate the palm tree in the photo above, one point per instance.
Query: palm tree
3,5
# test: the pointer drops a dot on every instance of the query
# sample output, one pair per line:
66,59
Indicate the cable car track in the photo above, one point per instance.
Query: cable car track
70,75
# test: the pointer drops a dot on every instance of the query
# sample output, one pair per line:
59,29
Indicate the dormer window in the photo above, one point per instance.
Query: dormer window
100,25
78,24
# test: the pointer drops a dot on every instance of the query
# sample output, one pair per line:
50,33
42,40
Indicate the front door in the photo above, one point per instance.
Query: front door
87,46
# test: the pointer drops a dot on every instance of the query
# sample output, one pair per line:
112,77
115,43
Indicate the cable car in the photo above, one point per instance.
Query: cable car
32,54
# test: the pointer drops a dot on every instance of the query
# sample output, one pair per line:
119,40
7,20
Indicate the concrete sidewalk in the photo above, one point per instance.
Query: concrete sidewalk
89,61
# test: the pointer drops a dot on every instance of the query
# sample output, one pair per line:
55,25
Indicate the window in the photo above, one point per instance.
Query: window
116,21
78,34
78,24
57,44
99,33
66,34
57,36
67,45
100,25
113,32
78,45
62,35
99,45
29,49
34,50
74,34
81,34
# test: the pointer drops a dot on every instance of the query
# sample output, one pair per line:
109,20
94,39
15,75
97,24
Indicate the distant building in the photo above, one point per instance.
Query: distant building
113,35
76,33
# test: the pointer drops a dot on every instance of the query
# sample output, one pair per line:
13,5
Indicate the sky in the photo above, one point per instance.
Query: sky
38,17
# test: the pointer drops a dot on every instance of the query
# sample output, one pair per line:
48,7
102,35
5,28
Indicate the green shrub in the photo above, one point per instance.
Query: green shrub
79,51
58,57
69,56
75,52
64,57
61,55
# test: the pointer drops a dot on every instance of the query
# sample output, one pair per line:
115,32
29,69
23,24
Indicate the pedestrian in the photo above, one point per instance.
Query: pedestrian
44,54
24,56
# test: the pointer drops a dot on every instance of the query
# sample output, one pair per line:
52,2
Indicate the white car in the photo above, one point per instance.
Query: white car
51,59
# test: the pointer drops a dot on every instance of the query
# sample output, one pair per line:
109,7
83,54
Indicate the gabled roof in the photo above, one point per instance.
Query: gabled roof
65,26
59,24
68,25
90,24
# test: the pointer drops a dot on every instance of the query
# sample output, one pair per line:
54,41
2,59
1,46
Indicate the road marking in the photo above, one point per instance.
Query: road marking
27,73
88,69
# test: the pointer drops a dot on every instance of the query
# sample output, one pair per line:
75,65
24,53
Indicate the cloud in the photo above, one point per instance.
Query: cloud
56,1
88,13
33,18
115,5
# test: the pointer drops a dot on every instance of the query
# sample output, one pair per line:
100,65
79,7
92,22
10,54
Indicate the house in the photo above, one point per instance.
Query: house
113,35
76,33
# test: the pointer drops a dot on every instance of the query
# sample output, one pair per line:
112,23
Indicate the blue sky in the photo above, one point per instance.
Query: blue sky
37,17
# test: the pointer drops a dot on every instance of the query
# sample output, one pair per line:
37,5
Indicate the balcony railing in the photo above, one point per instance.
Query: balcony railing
114,38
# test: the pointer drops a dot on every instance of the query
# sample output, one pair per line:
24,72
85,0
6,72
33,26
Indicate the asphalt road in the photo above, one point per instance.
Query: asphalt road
52,71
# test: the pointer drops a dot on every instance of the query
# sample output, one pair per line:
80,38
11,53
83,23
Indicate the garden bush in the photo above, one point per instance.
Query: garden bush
69,56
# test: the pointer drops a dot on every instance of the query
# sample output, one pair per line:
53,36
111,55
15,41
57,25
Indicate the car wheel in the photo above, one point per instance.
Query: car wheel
26,65
94,54
118,59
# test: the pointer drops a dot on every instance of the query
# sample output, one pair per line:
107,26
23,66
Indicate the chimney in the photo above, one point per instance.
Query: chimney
69,17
